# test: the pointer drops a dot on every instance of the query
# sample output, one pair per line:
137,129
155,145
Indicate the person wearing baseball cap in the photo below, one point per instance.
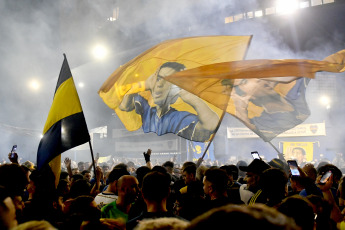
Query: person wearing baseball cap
253,173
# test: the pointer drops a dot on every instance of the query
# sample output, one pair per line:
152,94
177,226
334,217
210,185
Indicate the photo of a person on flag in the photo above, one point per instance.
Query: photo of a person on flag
162,118
258,101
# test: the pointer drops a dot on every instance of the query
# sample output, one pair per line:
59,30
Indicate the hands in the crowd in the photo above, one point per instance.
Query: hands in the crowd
327,186
147,155
13,157
67,162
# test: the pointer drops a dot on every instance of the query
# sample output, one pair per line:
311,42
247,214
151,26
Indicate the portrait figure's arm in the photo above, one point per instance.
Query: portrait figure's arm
208,119
128,103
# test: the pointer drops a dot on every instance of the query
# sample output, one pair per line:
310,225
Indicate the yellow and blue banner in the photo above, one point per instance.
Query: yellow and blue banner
65,127
195,150
142,98
300,151
268,96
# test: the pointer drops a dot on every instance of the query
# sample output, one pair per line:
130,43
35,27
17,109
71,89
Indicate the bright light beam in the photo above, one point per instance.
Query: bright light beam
286,6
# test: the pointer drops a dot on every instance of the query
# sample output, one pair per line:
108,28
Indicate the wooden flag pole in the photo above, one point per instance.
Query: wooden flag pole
93,159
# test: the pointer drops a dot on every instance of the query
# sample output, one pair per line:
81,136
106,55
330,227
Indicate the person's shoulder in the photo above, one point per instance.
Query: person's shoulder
109,206
134,221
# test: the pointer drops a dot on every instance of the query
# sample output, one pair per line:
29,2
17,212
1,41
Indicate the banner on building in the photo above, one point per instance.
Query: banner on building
315,129
299,151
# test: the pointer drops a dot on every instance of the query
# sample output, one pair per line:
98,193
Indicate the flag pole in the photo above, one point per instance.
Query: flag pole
93,159
280,155
209,143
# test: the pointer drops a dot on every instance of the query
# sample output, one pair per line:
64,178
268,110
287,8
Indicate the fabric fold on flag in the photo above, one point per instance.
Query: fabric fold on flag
141,97
268,96
65,126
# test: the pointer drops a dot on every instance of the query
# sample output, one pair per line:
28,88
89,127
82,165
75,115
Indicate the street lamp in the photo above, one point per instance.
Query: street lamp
99,52
326,101
34,85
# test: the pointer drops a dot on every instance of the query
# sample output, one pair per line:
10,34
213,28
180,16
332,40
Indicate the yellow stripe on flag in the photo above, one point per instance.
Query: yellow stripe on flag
66,102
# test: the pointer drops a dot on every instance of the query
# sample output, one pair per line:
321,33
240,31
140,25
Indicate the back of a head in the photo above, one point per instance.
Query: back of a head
273,182
131,164
200,172
13,178
156,186
310,170
82,206
169,165
300,209
187,163
159,168
279,164
190,169
240,172
122,165
116,173
77,176
79,188
44,181
243,217
36,225
141,172
64,175
162,223
218,179
231,170
7,213
84,172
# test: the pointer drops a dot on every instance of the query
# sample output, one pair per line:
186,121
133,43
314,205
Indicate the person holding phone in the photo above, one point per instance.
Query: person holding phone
13,156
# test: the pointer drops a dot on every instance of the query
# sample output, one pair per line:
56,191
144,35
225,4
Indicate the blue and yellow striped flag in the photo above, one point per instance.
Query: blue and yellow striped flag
65,127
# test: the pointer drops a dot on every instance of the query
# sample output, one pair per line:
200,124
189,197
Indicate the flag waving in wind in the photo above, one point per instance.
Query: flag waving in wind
182,86
142,98
268,96
65,127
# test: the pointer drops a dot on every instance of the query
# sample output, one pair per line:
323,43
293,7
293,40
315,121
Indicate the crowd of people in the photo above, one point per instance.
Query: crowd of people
260,195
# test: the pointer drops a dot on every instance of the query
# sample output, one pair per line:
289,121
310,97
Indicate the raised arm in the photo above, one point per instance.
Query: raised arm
208,120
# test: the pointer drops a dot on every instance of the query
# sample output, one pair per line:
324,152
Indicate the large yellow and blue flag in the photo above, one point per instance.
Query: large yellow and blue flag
268,96
65,127
142,98
183,86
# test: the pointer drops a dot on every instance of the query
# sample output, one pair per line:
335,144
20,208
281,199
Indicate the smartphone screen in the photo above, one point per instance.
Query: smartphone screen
255,155
325,177
293,167
14,149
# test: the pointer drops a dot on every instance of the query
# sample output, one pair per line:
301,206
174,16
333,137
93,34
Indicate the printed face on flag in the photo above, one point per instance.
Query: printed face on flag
165,108
143,97
161,88
269,107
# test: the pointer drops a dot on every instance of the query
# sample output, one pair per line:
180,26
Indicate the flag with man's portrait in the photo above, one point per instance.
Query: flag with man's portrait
268,96
141,97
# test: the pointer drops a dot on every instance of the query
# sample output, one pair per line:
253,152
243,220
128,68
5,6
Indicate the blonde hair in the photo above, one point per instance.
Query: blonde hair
165,223
35,225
